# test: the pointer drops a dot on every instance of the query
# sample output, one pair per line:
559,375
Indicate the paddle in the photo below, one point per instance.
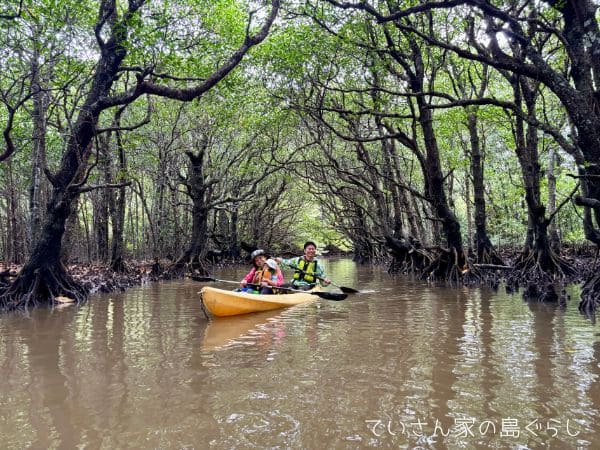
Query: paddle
347,290
204,279
321,294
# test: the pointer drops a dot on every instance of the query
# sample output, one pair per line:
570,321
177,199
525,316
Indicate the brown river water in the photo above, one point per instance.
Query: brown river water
403,365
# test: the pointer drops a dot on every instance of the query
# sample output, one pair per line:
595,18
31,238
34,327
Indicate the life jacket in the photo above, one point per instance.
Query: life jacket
262,273
306,270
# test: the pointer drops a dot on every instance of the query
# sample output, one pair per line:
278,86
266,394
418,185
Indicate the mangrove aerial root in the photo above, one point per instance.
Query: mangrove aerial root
452,266
408,255
590,296
40,287
186,265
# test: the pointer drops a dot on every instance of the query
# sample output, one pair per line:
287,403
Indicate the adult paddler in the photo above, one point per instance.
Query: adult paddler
307,269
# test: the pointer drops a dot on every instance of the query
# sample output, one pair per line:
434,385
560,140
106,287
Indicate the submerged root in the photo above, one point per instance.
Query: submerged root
119,266
539,268
41,287
412,262
409,256
452,266
539,272
590,297
156,271
181,267
5,276
546,293
488,255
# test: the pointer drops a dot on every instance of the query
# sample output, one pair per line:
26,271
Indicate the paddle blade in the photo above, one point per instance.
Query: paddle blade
330,296
203,279
348,290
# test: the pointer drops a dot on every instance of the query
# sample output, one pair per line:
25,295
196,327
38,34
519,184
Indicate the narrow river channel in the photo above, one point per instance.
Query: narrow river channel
403,364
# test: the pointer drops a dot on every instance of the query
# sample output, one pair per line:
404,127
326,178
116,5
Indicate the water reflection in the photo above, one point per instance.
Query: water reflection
406,364
259,329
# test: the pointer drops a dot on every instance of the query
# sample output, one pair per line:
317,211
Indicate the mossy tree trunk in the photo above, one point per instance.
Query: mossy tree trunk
44,277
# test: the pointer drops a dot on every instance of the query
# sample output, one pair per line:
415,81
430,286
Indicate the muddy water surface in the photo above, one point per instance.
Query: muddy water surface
402,365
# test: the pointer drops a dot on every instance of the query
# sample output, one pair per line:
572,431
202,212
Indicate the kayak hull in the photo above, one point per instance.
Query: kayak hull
222,303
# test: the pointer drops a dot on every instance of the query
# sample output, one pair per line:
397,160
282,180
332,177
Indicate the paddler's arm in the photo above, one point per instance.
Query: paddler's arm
320,274
248,278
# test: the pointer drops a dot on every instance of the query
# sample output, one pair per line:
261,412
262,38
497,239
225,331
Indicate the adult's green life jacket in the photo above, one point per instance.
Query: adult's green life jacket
305,270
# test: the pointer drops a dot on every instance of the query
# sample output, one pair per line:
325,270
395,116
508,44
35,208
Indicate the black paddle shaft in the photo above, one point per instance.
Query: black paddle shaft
322,294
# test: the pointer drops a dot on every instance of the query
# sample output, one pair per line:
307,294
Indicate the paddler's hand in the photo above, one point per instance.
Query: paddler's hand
326,281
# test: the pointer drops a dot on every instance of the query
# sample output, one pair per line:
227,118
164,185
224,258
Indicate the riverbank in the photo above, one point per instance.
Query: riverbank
99,278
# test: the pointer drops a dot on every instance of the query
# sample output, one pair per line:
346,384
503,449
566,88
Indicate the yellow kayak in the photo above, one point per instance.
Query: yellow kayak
221,303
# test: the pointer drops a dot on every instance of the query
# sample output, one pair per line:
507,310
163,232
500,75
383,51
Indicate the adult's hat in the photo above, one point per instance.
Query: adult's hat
256,253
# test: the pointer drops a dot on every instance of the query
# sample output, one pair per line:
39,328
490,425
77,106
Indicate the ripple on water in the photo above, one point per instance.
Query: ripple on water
137,369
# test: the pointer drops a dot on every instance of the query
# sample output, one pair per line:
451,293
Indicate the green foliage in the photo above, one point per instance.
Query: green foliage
186,39
304,102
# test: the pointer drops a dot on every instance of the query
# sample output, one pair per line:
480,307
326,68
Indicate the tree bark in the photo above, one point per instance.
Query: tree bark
199,193
553,229
44,277
101,201
434,177
38,158
16,239
484,250
538,262
117,204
